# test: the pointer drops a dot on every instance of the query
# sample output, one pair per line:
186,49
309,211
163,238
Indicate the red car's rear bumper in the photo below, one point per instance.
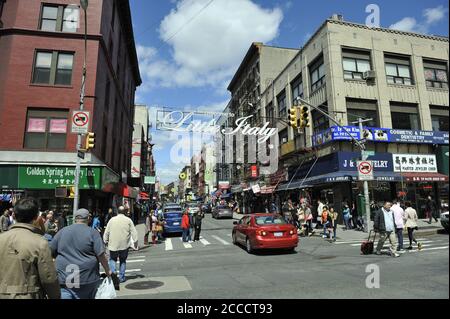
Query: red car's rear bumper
274,243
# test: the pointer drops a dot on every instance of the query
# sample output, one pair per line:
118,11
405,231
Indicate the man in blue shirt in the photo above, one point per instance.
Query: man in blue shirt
384,223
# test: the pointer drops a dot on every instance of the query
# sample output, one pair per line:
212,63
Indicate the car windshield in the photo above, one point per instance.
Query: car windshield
172,209
269,220
172,215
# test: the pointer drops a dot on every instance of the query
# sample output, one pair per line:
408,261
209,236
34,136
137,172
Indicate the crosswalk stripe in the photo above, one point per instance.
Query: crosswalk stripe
220,240
135,257
204,242
229,235
168,244
187,245
132,270
433,248
348,242
134,261
422,242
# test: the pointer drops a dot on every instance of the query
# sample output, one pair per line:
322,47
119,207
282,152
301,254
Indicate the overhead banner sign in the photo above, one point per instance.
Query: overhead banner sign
415,163
336,133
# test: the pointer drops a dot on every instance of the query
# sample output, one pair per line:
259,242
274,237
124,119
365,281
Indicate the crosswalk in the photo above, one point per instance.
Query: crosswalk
176,243
427,245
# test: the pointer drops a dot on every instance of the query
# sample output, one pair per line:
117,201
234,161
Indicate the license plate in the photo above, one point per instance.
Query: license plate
278,234
176,224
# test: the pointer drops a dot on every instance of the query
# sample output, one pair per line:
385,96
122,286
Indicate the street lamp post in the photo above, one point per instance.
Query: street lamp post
84,5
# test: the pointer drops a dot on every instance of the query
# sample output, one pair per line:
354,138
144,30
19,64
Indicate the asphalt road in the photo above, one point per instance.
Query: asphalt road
215,268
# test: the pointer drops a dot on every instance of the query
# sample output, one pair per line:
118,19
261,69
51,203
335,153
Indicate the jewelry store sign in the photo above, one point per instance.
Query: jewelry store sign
415,163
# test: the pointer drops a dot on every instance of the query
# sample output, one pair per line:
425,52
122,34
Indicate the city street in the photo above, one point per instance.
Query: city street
215,268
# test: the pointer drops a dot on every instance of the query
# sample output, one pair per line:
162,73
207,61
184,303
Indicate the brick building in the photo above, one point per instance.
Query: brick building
41,60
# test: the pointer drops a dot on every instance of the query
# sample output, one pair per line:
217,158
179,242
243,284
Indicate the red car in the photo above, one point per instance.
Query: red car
260,231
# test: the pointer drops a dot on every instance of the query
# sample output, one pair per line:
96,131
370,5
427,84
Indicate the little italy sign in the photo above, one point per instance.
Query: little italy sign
178,121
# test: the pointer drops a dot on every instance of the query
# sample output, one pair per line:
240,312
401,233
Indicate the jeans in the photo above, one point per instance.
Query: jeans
411,236
122,255
432,215
86,291
185,234
392,240
347,221
191,230
325,228
399,233
198,229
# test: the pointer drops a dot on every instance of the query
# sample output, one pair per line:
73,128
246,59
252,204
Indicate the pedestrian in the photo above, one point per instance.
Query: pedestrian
51,227
191,227
27,268
4,221
118,234
61,221
79,249
185,225
154,229
325,220
301,221
398,214
309,218
431,209
410,218
333,222
347,216
12,217
96,222
354,213
198,224
108,216
384,223
148,227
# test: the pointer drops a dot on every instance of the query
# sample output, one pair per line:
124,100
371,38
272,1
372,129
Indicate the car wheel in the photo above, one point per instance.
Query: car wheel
291,250
234,238
248,246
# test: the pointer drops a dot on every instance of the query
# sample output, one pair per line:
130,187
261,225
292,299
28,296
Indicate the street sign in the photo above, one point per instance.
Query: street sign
81,154
150,180
368,153
365,170
80,122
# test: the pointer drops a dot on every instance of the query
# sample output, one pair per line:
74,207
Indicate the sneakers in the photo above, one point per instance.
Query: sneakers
395,255
419,246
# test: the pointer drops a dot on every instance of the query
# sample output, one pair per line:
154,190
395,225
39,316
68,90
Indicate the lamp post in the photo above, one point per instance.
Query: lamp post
84,5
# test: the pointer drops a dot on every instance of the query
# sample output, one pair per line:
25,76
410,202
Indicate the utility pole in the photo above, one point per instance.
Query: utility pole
76,199
365,183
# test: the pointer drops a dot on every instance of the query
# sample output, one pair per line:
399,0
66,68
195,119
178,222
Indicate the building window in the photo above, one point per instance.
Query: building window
46,129
365,109
355,63
283,136
320,121
436,74
53,68
281,100
405,116
439,118
59,18
297,88
269,112
398,70
317,74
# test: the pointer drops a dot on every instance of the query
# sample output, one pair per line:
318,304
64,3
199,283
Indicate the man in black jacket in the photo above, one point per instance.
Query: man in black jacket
198,223
384,223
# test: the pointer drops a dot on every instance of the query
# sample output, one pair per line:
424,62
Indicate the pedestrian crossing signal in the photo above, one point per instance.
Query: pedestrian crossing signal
303,121
90,141
292,117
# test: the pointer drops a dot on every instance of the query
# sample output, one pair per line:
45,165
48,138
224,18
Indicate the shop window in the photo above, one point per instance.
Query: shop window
53,68
59,18
46,129
436,74
398,69
355,63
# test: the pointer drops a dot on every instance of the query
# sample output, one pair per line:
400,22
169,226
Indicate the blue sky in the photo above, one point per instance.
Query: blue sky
189,49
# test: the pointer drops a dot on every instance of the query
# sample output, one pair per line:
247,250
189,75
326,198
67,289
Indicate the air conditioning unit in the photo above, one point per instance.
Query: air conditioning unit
367,75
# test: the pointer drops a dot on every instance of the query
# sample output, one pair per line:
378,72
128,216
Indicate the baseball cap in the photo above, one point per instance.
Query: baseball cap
82,213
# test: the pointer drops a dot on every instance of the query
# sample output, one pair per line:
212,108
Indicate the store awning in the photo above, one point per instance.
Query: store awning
425,177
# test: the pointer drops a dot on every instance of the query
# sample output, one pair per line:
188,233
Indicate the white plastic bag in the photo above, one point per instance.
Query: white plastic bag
106,290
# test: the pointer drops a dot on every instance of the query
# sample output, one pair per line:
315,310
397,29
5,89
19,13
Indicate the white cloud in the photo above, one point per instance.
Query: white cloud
431,16
207,46
434,15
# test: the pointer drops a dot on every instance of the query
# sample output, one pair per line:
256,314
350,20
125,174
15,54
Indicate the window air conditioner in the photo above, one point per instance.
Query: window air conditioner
369,75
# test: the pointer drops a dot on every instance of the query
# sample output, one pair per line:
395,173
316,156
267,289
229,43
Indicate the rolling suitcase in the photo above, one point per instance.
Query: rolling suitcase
367,245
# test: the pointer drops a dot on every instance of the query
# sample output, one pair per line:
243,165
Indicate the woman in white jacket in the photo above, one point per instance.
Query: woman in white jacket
410,219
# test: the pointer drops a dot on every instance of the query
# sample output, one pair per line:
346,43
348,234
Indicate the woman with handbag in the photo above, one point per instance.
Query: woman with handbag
410,218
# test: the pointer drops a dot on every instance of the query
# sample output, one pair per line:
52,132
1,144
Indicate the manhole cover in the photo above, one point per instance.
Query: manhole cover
143,285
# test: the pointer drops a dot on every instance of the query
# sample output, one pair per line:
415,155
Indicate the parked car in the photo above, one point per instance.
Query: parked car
264,231
444,220
172,222
222,211
206,208
172,207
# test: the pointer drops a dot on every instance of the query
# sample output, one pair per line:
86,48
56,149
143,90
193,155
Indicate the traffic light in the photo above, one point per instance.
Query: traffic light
304,117
292,117
90,141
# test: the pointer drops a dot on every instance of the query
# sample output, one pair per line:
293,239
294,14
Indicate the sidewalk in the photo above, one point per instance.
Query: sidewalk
425,229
